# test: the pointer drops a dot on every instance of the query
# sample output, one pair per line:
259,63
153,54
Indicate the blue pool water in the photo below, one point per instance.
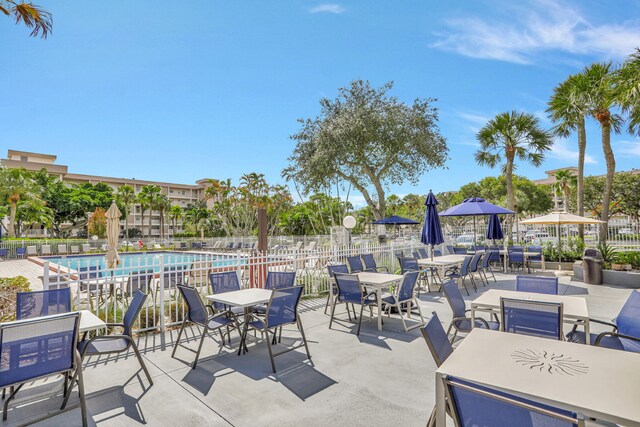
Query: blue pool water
132,262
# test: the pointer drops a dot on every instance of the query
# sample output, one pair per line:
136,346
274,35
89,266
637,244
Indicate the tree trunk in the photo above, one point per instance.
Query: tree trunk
142,223
511,197
11,232
582,146
566,195
611,170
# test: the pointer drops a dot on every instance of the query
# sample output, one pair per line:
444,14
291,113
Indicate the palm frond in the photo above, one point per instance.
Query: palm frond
34,17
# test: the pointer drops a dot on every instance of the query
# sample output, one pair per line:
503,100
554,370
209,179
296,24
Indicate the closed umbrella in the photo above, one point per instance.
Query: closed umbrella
431,229
494,230
113,215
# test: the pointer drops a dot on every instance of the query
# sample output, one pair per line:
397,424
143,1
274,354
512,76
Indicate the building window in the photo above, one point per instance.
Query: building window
24,159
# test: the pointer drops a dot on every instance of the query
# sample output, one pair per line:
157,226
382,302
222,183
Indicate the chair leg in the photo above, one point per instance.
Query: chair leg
175,346
398,305
333,310
419,310
326,306
204,334
6,402
349,312
465,286
83,403
360,321
273,363
141,360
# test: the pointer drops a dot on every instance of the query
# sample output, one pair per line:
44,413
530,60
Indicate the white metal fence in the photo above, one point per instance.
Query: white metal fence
107,292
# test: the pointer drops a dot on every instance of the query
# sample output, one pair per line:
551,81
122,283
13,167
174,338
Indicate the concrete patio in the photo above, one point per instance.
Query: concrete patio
377,378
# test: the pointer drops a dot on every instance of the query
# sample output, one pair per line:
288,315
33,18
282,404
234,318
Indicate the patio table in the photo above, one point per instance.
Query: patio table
574,309
378,281
596,382
244,298
525,254
90,322
442,262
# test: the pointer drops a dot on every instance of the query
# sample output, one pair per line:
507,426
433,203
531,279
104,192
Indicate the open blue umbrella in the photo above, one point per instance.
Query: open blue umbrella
395,220
475,206
431,229
494,231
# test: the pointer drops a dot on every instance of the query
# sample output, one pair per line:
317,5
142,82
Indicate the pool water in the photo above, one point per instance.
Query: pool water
133,262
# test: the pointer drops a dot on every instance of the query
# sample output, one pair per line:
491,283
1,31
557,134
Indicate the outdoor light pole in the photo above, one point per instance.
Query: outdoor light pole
349,222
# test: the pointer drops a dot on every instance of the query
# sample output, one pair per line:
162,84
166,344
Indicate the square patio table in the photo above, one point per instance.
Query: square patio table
442,262
593,381
574,310
244,298
378,281
90,322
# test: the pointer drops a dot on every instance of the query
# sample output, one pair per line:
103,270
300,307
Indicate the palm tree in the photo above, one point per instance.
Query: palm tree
600,93
627,90
34,17
126,198
175,213
568,108
162,205
565,182
148,199
15,185
510,136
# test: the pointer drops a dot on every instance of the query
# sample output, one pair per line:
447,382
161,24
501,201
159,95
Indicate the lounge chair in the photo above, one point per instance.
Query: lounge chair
197,313
86,247
75,249
282,310
156,246
32,250
51,342
625,333
535,318
62,249
4,253
45,250
460,321
21,252
537,284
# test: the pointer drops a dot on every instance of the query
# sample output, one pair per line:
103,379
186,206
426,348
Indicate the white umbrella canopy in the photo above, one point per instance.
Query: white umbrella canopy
113,215
561,218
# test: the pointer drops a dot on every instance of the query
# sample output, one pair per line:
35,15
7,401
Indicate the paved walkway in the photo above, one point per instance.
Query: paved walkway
23,267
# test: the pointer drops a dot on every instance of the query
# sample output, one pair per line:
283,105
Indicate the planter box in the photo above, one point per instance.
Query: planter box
625,279
551,266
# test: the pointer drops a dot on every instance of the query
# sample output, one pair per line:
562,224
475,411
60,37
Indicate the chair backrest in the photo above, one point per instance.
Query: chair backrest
423,253
45,249
140,280
280,279
405,291
490,255
409,264
369,262
131,315
450,249
536,318
4,252
473,264
628,321
537,249
416,254
226,281
454,297
437,252
355,263
42,303
460,251
538,284
32,250
34,348
21,250
337,268
283,306
86,247
464,268
477,405
349,289
515,254
196,311
437,340
62,248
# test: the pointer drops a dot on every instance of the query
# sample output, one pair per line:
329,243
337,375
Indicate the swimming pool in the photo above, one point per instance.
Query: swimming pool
133,262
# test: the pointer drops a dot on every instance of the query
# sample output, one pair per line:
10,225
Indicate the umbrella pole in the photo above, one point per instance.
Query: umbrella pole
474,233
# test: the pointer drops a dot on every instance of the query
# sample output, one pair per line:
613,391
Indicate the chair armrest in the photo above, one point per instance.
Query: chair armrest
106,338
382,268
603,322
615,334
115,324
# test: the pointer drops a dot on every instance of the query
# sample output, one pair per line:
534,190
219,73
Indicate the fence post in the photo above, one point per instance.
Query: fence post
45,275
161,285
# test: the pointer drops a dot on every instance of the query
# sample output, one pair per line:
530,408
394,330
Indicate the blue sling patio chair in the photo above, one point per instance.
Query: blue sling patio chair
516,257
226,281
172,276
39,348
474,268
461,273
355,264
141,279
371,265
405,294
537,284
280,279
440,348
534,318
333,291
42,303
118,343
535,258
625,333
475,405
282,310
489,256
460,251
460,321
208,321
350,292
423,253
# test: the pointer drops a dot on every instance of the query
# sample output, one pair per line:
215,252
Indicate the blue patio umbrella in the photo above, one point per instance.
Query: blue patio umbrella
494,231
395,220
475,206
431,229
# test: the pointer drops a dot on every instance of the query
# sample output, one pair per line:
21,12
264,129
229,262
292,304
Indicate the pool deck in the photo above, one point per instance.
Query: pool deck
23,267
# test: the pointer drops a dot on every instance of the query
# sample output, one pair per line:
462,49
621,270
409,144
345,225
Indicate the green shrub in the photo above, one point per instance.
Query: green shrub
632,258
571,250
608,252
9,286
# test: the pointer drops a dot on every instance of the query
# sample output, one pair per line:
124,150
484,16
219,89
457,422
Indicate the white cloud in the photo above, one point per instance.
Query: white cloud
560,150
476,122
629,147
528,28
328,8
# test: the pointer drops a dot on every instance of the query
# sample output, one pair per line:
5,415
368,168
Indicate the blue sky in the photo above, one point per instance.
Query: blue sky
183,91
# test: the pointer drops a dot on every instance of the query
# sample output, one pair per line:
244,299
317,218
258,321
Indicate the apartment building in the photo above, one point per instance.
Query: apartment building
179,194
